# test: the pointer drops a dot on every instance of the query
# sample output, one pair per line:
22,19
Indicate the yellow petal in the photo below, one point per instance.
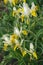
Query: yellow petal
14,13
20,10
24,32
14,2
23,53
22,18
15,47
35,55
24,1
13,37
33,13
5,1
5,46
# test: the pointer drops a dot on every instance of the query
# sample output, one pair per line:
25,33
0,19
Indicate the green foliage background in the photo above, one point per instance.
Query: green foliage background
36,27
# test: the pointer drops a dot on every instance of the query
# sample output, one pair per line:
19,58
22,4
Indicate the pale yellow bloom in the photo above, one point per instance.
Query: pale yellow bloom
5,1
25,10
33,10
33,51
5,46
13,37
24,32
35,55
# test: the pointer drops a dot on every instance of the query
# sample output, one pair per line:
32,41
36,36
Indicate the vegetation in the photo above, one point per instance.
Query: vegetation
21,32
